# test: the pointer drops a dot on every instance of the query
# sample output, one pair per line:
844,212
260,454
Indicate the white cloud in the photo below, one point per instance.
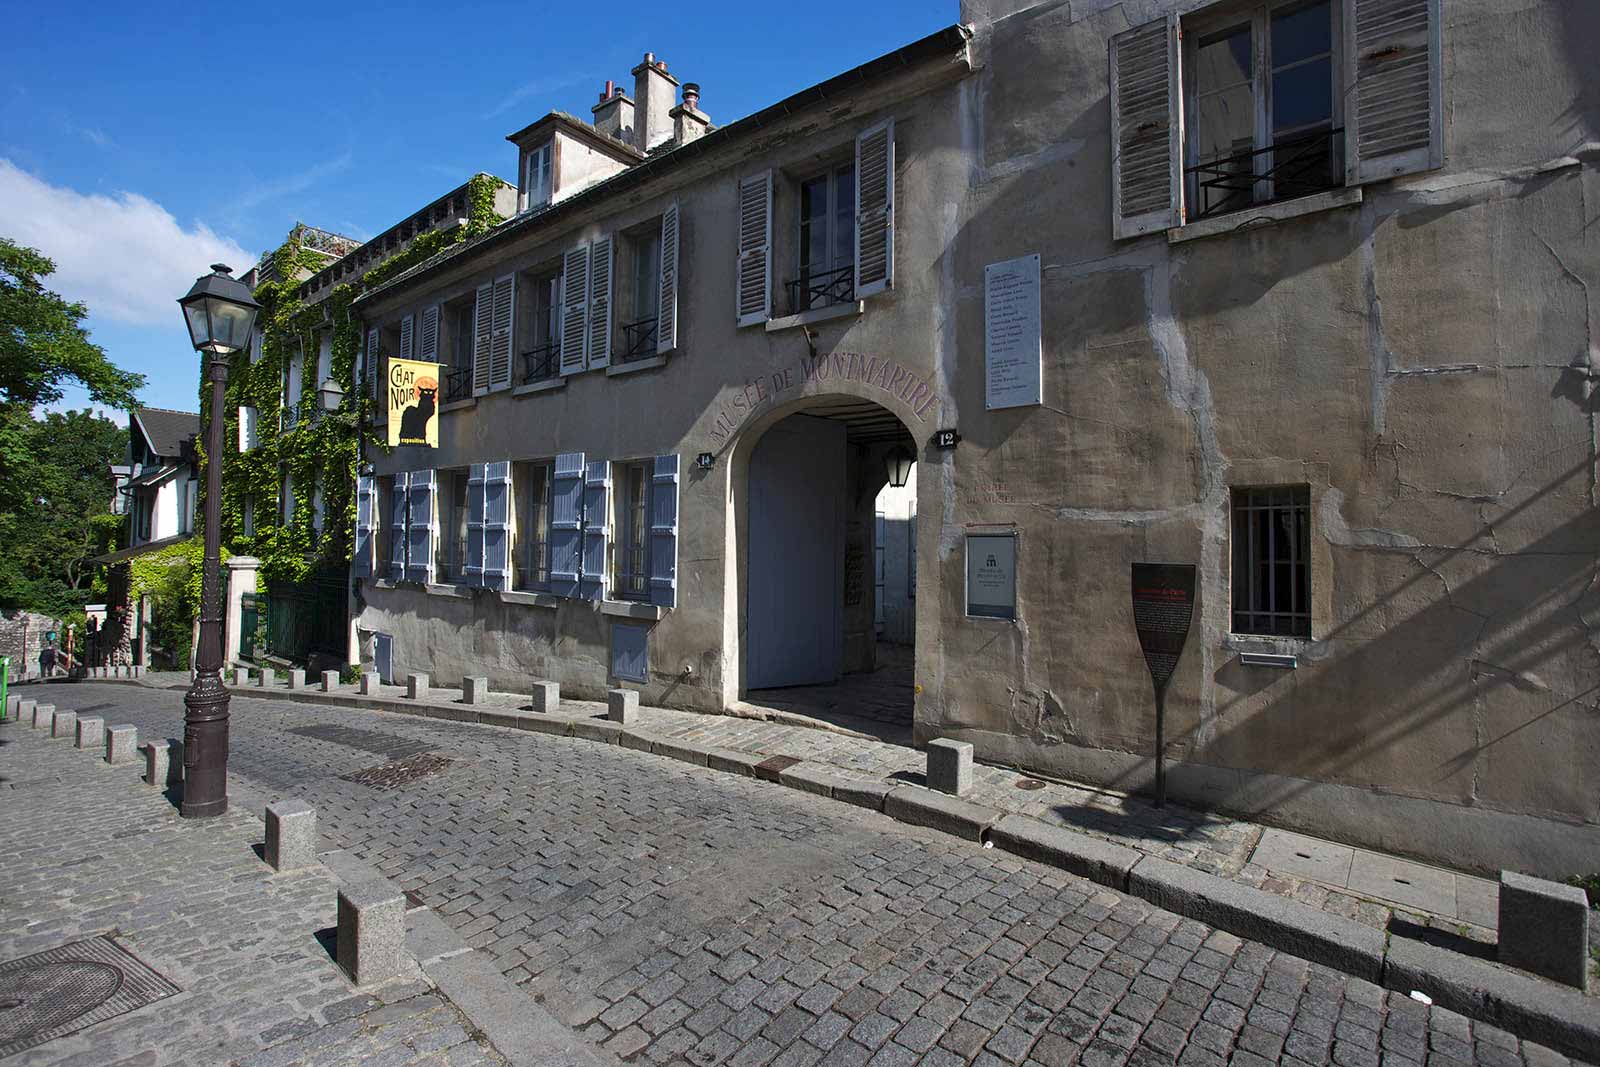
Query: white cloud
539,87
261,192
123,255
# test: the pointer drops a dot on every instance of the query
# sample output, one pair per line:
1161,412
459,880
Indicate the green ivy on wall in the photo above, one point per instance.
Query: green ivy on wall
316,449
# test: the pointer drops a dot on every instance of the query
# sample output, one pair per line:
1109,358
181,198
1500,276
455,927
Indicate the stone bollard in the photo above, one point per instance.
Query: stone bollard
474,690
330,681
43,716
121,742
267,678
163,763
950,766
297,679
372,930
241,677
369,683
11,706
546,696
91,732
291,835
622,705
1544,927
65,724
417,685
25,710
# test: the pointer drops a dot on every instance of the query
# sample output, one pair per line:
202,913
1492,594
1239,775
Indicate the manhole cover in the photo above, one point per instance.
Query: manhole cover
63,990
1029,784
400,772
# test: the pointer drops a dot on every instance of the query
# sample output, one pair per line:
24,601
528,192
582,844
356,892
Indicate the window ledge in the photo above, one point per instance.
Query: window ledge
539,387
462,592
1250,218
632,609
457,405
382,583
532,599
1262,650
637,365
806,318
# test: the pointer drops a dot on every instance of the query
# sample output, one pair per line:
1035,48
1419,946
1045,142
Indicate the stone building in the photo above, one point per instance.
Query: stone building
1314,314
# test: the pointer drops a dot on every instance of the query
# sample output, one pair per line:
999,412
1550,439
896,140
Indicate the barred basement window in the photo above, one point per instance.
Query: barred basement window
1271,564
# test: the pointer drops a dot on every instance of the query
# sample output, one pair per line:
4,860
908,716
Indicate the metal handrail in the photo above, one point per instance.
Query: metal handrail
810,291
638,340
542,363
1293,172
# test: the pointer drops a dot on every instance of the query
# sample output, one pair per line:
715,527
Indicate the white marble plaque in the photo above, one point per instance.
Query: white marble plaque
1013,352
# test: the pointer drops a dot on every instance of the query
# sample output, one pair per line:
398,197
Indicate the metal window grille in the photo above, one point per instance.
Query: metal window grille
1271,564
633,574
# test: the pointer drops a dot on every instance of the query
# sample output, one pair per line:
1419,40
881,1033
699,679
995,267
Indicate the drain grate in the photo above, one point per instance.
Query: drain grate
63,990
400,772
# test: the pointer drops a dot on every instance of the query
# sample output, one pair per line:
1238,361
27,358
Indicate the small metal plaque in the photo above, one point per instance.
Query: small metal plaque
946,439
63,990
1163,605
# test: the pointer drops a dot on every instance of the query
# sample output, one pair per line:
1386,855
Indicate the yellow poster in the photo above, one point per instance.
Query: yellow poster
413,403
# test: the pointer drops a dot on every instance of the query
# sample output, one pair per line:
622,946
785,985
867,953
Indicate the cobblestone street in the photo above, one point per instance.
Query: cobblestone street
680,915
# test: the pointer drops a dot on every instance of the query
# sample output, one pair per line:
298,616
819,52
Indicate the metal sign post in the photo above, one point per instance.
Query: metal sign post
1163,605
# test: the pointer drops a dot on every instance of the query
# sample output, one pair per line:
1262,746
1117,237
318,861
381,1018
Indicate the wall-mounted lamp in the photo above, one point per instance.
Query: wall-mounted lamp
898,462
705,461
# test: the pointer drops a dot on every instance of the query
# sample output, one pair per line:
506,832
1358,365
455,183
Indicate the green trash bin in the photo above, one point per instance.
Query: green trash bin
5,680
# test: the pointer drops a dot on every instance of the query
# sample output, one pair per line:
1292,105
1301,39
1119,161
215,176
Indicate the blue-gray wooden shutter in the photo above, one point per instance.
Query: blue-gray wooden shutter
600,272
664,532
472,573
667,297
420,528
361,558
399,508
596,528
875,209
482,339
428,343
753,289
574,309
566,524
497,525
370,367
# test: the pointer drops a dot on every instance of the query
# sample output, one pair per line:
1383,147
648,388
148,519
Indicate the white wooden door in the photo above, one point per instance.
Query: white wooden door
794,630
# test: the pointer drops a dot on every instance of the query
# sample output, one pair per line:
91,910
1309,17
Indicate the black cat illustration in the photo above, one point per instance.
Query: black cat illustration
414,419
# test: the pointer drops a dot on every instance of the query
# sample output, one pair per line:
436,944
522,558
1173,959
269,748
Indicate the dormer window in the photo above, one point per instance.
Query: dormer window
536,177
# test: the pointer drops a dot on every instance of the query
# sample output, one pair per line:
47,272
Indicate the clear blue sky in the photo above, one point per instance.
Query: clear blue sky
138,142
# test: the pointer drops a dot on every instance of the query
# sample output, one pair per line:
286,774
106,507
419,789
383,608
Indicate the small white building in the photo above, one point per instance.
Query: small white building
163,483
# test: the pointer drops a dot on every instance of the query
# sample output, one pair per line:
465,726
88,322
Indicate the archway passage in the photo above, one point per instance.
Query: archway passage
830,569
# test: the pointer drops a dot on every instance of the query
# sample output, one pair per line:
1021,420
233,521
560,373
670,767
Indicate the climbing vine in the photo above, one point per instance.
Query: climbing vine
317,451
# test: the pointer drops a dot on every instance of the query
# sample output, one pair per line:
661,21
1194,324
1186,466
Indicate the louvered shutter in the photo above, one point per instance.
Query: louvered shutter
667,324
472,573
1393,121
361,557
371,368
428,345
482,339
754,268
247,429
664,533
503,324
421,526
407,337
600,302
596,529
875,209
399,509
566,524
574,309
1146,129
497,525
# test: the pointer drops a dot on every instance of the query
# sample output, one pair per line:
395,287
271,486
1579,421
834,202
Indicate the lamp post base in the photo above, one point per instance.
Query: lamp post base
205,749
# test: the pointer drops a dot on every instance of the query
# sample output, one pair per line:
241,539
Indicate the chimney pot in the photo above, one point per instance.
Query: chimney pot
691,95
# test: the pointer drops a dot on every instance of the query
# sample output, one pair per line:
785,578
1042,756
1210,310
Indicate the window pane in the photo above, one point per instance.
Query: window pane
844,216
646,276
814,226
1222,60
1301,34
1302,96
1227,123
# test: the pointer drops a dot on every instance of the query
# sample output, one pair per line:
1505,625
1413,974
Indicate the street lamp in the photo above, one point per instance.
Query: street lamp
898,462
329,395
221,316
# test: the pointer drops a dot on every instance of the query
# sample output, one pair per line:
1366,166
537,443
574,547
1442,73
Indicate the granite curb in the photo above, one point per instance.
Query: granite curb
1532,1008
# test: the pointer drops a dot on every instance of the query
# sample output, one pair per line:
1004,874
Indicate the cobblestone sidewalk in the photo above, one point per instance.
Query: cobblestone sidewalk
87,849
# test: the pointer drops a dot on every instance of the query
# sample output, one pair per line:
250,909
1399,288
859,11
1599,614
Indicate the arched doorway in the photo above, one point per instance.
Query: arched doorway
823,548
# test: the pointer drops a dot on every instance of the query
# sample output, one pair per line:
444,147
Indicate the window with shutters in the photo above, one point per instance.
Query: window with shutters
1272,561
825,241
455,346
631,544
530,493
1263,106
639,291
285,498
451,503
383,508
536,171
291,390
539,323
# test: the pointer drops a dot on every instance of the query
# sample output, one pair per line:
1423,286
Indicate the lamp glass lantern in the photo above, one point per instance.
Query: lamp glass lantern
220,311
899,462
329,395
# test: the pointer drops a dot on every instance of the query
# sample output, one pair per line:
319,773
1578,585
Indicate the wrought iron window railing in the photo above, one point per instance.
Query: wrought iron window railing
453,567
291,416
457,384
638,341
1293,167
542,363
811,291
533,564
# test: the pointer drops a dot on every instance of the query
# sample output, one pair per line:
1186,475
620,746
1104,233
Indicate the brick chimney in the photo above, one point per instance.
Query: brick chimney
655,93
688,121
613,115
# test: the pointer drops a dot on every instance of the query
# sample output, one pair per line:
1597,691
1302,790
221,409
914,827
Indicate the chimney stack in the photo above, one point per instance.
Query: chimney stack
656,92
688,121
613,115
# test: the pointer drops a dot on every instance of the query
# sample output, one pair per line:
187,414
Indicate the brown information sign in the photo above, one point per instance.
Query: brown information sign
1163,606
